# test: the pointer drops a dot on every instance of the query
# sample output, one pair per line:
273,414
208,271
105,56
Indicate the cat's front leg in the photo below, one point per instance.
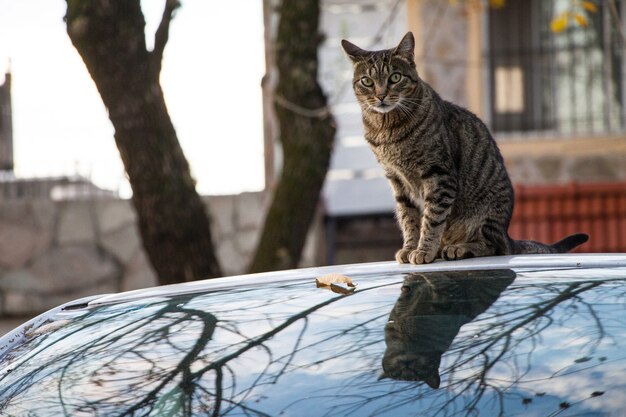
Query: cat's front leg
439,196
409,218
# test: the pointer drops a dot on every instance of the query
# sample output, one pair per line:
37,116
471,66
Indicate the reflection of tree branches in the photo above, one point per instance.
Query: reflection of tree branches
499,344
34,345
183,366
336,353
128,335
201,373
506,338
174,379
293,352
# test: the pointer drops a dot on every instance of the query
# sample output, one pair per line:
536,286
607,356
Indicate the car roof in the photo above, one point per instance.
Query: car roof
568,260
532,334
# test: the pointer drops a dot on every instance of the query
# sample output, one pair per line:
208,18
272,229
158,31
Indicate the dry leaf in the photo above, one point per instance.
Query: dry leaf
340,289
333,279
338,283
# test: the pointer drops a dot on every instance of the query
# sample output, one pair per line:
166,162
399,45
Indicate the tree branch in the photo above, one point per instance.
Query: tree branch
162,33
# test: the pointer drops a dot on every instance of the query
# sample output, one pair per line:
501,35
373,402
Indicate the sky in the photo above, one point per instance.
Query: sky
212,90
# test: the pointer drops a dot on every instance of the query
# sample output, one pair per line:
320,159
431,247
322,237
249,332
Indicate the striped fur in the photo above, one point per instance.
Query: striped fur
454,198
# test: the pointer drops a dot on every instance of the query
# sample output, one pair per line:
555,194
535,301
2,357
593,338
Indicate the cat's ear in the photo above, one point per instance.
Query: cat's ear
406,47
433,380
354,52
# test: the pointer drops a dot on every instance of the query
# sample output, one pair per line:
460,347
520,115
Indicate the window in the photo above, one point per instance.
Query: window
568,82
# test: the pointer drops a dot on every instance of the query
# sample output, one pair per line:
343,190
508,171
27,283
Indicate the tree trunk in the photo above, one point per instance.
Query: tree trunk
307,131
109,36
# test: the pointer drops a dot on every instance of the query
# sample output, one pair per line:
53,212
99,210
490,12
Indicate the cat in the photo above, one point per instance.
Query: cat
428,315
454,198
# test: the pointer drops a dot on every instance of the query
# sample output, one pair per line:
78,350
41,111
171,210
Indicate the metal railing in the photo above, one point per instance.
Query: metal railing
51,188
568,83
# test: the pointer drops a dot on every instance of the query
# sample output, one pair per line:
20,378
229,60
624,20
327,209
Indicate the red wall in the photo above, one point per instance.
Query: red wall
549,213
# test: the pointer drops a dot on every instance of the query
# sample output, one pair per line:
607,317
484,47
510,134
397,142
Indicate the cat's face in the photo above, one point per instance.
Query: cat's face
384,81
412,366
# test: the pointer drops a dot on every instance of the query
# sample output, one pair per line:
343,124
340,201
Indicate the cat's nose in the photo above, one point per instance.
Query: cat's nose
381,97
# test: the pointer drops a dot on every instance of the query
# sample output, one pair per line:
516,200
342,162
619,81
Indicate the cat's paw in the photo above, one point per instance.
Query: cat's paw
421,256
402,256
455,252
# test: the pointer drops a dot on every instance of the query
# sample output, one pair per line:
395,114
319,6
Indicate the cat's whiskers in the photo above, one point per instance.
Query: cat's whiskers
407,111
368,107
413,100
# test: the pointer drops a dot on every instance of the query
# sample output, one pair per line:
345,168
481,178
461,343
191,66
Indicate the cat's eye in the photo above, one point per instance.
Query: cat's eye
395,77
368,82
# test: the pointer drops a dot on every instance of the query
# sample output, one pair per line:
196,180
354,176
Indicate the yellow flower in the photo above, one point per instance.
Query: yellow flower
559,23
497,4
589,6
581,20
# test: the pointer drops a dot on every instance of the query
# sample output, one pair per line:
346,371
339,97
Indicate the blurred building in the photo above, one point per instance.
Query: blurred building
556,103
74,187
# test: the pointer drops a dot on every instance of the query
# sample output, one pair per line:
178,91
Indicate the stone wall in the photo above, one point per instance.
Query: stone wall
536,161
558,169
54,252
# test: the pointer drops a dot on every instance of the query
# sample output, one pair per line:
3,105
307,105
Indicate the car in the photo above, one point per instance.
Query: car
531,335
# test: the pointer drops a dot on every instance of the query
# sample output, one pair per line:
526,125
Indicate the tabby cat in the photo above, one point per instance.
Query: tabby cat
454,196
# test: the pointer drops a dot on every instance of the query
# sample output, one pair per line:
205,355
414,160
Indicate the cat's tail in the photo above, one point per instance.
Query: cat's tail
564,245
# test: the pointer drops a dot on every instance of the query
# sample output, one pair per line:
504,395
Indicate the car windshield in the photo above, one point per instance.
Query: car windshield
497,342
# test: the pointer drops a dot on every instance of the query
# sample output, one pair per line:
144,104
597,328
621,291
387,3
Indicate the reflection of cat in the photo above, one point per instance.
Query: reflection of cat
429,314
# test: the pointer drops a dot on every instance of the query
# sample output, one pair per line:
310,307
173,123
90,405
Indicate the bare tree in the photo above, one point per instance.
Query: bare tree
307,132
172,221
109,36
